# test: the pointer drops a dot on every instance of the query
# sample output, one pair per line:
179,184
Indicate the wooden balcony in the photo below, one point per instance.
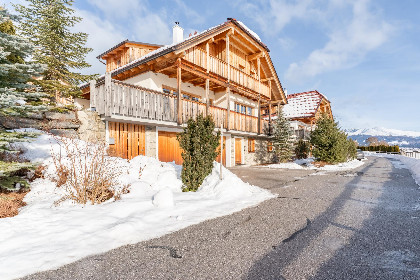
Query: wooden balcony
219,67
117,98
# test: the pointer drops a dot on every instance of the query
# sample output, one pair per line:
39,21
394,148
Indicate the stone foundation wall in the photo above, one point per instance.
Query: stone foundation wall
151,141
92,128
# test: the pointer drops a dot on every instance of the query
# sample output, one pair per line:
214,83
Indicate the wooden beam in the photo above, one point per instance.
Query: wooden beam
179,82
255,56
207,97
259,115
240,45
228,108
207,57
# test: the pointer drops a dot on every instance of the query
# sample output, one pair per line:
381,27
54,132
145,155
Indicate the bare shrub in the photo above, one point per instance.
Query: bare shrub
86,172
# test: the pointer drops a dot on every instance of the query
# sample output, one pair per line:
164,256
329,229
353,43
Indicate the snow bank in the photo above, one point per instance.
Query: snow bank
307,164
44,236
411,164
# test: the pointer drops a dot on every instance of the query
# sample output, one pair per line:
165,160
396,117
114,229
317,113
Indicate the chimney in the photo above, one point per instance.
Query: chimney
177,33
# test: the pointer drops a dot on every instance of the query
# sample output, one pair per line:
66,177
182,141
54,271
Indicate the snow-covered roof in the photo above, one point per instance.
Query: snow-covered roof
304,104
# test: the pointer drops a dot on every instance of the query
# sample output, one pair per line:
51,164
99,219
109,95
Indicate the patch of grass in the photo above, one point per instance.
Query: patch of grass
63,109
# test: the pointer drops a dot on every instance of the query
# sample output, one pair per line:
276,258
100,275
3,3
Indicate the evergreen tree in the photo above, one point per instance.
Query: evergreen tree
17,96
199,145
47,23
283,146
302,149
330,143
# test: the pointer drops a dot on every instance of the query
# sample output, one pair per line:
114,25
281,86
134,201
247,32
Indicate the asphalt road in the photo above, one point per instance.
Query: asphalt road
359,224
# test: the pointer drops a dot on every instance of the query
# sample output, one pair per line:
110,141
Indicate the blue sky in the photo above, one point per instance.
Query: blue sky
364,55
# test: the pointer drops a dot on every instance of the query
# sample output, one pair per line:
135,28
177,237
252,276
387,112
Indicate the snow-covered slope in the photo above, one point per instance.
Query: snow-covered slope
45,236
382,131
392,136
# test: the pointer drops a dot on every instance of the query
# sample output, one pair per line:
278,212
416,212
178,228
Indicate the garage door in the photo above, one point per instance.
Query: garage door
168,146
128,139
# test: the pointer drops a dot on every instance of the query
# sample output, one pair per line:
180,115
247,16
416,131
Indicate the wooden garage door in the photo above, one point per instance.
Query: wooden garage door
224,152
238,150
168,146
128,138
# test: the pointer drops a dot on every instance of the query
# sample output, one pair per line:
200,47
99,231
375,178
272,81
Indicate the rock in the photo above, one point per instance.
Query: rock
71,133
70,116
18,122
62,125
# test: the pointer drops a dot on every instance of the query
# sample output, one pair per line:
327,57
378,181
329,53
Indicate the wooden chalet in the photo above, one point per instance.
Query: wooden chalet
307,107
150,91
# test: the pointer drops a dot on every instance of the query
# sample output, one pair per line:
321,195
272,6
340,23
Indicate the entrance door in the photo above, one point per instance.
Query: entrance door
223,152
128,139
169,149
238,151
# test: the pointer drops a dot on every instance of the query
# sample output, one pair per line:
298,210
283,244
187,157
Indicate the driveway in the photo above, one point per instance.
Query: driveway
359,224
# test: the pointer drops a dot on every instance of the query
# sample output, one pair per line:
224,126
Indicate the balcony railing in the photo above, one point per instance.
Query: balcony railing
219,67
122,99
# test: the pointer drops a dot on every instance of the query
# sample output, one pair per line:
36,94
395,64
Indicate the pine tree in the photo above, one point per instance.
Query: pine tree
282,143
47,23
199,145
17,96
302,149
330,143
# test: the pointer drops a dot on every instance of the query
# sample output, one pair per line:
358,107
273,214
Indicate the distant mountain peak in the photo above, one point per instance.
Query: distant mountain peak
382,131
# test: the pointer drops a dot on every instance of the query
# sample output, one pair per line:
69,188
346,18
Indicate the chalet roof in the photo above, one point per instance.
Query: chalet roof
170,48
122,43
303,105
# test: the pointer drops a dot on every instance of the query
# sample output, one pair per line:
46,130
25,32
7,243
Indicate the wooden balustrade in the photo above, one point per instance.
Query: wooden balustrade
121,99
198,56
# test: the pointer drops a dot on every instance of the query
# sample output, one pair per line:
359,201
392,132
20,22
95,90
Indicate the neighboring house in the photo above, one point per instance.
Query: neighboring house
307,107
150,91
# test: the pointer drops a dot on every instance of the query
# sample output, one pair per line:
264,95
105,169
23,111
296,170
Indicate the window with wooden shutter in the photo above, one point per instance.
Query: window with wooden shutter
251,145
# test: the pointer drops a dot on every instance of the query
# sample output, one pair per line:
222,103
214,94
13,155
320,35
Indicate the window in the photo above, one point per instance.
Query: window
239,108
269,146
251,145
185,95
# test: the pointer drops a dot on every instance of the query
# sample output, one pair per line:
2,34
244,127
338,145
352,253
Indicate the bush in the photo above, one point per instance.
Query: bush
302,149
86,172
199,145
330,143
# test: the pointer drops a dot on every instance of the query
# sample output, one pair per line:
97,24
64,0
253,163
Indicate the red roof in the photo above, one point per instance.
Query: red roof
303,104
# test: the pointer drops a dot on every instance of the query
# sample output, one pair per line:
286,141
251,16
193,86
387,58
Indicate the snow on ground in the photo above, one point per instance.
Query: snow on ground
44,236
411,164
307,164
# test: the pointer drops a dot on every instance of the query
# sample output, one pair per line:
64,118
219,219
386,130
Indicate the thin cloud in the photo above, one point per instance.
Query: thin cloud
347,46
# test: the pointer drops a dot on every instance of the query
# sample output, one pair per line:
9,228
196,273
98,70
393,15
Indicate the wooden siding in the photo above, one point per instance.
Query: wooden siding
129,139
122,99
168,147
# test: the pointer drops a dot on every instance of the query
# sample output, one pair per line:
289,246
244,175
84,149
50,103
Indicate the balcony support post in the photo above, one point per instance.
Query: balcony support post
207,97
228,81
259,114
228,108
179,81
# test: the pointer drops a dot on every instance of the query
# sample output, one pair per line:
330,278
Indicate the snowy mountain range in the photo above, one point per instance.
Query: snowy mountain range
402,138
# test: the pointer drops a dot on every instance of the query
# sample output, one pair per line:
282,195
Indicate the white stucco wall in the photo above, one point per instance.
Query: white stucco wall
156,81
